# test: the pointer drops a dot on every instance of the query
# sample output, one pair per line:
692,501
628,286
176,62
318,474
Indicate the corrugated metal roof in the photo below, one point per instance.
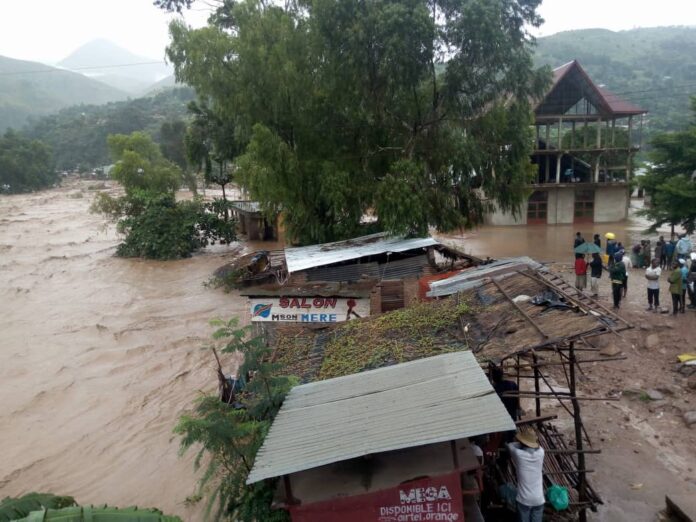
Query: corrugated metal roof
421,402
302,258
246,206
473,277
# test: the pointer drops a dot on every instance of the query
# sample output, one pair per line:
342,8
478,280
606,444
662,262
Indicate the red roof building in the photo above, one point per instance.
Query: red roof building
586,138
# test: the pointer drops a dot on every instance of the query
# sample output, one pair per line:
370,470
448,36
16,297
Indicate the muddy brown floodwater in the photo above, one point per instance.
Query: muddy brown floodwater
98,356
549,243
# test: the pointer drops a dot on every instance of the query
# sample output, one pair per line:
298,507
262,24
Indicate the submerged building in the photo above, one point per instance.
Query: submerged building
586,139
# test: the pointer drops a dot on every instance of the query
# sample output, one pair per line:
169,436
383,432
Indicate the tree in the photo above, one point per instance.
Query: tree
211,140
230,435
417,109
155,225
25,165
671,182
172,135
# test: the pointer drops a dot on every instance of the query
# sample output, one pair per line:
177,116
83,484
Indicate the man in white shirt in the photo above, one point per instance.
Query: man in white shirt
652,274
529,463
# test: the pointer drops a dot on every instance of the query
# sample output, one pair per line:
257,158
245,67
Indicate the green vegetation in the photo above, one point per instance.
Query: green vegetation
655,68
78,134
155,225
229,436
30,89
25,165
399,336
670,182
20,507
39,507
341,108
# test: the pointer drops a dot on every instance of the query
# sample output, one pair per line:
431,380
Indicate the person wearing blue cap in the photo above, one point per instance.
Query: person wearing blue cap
617,275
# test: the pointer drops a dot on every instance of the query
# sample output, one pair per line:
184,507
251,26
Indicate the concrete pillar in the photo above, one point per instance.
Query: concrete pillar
558,167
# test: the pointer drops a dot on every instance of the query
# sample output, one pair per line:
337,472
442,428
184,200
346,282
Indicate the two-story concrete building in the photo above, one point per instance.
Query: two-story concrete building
585,142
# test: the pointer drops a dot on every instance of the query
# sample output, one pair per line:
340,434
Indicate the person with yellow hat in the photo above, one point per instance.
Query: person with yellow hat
528,457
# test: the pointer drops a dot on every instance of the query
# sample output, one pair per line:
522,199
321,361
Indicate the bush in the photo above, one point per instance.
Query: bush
158,227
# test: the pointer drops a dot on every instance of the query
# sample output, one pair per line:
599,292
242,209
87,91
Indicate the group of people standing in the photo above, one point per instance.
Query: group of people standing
675,254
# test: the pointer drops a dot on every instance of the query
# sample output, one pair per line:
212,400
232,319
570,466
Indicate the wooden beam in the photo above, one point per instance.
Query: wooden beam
519,309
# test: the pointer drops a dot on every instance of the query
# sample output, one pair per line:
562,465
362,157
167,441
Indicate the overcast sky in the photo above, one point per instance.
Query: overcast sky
49,30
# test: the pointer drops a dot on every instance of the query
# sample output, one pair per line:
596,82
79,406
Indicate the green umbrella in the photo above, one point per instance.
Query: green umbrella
587,248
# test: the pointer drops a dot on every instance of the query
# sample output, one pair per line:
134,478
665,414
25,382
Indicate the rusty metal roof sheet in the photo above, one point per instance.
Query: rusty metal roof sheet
421,402
302,258
473,277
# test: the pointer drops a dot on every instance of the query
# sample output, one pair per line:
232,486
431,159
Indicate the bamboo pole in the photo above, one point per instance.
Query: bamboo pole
582,494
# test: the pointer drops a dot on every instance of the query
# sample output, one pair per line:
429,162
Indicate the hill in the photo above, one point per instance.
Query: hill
78,134
34,89
168,82
107,62
653,67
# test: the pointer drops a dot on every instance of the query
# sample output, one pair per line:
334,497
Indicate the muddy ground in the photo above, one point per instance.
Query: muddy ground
648,451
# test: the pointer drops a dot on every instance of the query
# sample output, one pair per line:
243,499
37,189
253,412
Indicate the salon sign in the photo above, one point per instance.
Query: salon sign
308,309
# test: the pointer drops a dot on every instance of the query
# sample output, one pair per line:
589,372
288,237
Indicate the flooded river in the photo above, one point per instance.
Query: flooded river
99,355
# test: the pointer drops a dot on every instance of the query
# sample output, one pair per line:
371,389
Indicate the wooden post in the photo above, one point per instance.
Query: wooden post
455,455
290,500
582,479
536,384
548,158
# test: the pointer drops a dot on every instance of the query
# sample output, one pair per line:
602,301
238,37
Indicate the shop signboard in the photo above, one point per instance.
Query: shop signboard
308,309
425,500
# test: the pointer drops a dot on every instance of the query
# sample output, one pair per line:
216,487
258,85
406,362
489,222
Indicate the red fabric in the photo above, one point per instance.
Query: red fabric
580,266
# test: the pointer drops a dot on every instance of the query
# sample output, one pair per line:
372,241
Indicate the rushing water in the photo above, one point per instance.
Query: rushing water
98,357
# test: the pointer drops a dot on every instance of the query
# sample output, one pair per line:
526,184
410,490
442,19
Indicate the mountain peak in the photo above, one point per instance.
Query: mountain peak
110,63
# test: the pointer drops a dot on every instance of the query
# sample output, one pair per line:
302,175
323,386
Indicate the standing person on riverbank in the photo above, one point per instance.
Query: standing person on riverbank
617,274
595,274
675,287
660,250
628,264
691,282
685,277
683,247
580,272
652,274
579,240
611,248
669,252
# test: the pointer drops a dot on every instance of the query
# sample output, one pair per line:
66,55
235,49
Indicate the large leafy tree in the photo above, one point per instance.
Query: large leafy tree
417,110
671,181
25,165
211,144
